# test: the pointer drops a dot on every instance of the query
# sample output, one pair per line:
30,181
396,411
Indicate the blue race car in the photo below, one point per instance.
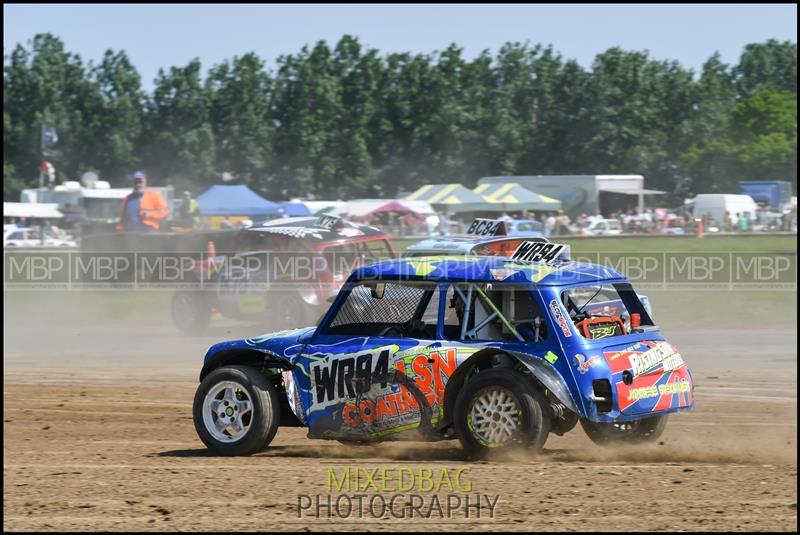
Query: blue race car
525,227
496,351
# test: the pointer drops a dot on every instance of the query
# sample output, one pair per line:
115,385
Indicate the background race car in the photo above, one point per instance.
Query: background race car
284,270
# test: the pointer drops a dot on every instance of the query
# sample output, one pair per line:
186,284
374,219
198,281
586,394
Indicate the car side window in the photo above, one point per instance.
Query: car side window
526,315
492,312
391,309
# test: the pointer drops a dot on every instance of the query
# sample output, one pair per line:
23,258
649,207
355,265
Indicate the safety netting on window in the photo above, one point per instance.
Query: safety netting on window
397,304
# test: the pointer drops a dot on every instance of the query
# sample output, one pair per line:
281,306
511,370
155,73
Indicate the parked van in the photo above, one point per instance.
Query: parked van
716,204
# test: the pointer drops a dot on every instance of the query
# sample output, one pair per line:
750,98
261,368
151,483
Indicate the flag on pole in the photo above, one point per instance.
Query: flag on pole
49,136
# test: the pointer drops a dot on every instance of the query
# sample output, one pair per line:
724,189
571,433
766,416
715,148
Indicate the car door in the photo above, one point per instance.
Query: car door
369,370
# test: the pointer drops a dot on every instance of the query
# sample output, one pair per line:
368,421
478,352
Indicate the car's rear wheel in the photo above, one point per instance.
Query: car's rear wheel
638,432
500,409
236,411
191,311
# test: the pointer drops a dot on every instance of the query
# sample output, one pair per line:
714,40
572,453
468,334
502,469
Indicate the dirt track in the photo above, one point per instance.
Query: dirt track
98,435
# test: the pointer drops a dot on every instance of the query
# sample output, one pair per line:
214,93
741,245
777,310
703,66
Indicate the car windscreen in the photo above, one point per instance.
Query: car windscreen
256,241
607,310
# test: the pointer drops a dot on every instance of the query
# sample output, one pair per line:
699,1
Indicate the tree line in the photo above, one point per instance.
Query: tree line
348,121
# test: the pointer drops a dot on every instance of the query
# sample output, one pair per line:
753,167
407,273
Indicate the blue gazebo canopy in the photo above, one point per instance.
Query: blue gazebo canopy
295,209
236,201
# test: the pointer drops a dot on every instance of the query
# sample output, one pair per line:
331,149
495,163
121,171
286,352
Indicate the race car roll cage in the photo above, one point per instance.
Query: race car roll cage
472,334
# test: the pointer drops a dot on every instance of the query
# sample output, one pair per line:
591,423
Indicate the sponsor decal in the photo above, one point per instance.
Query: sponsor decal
602,330
662,381
583,364
486,227
662,354
429,371
555,308
675,388
386,407
643,393
340,378
599,331
537,251
551,357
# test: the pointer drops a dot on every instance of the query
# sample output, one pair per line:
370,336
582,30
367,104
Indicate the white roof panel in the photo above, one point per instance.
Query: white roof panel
30,209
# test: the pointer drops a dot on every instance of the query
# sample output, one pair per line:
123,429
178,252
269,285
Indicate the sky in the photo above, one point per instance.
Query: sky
160,36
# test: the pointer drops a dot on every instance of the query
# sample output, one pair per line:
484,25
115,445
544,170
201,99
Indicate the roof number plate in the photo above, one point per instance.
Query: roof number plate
487,227
536,251
327,221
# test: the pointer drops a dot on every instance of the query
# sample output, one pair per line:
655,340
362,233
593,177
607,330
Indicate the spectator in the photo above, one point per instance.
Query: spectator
647,221
189,209
562,225
549,224
142,210
412,222
432,223
731,221
762,217
630,221
744,222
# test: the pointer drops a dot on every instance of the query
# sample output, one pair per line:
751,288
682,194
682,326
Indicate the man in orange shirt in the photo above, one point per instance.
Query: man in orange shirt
142,210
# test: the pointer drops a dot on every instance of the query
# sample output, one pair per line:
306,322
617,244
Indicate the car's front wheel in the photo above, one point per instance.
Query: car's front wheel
236,411
499,408
638,432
